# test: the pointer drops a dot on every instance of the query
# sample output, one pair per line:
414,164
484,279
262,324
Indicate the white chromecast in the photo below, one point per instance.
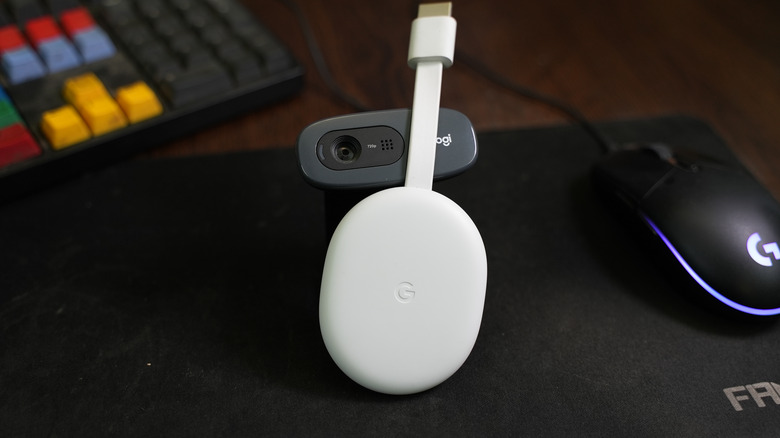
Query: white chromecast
403,287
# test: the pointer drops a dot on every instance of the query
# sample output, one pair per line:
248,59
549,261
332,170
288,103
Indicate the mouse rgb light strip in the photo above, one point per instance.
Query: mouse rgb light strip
703,284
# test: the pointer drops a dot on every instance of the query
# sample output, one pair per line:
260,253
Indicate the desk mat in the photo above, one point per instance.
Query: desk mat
179,297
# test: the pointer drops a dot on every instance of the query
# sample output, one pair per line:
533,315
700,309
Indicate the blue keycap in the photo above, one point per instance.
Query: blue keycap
59,54
94,44
22,65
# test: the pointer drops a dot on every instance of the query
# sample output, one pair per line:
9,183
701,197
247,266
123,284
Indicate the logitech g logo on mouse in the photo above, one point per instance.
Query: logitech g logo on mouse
404,292
445,140
769,248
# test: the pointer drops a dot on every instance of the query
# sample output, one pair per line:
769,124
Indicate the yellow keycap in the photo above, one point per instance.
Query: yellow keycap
102,115
63,127
81,89
138,101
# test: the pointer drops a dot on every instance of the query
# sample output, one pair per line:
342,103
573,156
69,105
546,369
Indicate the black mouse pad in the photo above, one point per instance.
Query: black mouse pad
179,297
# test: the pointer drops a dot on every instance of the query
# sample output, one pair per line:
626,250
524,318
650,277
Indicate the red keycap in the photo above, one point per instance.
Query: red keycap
16,144
10,39
41,29
76,20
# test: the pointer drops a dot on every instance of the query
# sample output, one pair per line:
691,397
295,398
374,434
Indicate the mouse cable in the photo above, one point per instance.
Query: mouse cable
570,111
319,58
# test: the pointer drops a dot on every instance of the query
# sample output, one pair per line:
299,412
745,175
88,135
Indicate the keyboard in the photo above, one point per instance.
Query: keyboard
84,84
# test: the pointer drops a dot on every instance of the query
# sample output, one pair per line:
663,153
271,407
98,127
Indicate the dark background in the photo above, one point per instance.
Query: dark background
718,60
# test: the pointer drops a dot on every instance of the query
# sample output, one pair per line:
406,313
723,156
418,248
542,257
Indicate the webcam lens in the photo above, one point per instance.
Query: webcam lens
346,149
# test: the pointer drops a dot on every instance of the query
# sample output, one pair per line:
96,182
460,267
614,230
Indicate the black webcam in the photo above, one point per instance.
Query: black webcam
353,156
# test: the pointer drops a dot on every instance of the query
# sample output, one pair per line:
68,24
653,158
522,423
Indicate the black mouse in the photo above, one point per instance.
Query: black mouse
714,223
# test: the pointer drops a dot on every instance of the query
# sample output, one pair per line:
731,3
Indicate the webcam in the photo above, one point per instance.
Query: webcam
353,156
369,150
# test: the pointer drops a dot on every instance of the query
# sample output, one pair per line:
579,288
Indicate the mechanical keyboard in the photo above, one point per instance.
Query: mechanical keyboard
86,83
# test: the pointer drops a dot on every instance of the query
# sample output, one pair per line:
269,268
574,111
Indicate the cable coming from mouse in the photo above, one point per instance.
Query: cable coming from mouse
319,58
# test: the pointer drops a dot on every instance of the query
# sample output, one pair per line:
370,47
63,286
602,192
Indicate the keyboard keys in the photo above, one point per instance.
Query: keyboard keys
275,58
8,114
168,26
25,10
138,102
83,41
98,109
118,14
153,10
20,63
199,18
64,127
11,38
56,51
216,36
189,50
16,144
58,54
81,89
103,115
190,86
76,20
57,7
243,67
136,35
41,29
164,68
94,44
91,41
92,111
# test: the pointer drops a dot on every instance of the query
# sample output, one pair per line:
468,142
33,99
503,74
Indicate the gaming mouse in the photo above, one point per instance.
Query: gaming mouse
714,224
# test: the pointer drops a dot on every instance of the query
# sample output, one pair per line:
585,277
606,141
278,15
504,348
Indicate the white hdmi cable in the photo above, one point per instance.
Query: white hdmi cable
431,48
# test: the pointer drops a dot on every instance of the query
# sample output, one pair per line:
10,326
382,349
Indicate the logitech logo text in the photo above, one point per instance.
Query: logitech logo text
769,248
445,140
758,392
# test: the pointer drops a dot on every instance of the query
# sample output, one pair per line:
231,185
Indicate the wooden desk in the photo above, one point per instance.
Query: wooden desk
718,60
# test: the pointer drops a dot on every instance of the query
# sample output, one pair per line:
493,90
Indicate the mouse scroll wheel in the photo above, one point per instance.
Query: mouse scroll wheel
661,150
665,153
690,166
657,150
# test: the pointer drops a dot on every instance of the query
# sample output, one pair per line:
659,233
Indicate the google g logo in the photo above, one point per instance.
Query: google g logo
404,292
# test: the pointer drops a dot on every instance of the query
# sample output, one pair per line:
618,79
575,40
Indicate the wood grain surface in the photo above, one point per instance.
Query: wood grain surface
718,60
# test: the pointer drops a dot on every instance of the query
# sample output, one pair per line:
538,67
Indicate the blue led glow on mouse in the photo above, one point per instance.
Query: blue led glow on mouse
762,260
719,224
